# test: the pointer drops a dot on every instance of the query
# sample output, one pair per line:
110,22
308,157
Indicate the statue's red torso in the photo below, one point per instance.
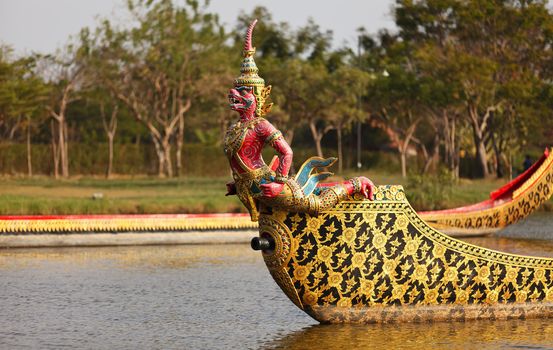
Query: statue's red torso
247,144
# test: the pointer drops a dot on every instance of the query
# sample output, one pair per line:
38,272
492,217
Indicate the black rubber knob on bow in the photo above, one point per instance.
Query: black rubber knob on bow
263,243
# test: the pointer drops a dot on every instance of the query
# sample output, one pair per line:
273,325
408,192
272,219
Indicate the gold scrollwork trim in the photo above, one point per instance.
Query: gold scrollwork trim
126,223
277,259
281,235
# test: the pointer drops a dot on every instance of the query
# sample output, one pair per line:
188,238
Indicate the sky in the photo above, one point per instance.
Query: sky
45,25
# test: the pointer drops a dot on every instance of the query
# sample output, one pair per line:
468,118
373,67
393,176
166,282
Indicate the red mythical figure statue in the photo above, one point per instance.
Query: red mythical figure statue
257,184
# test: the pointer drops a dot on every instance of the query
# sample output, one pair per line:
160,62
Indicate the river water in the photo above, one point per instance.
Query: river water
214,297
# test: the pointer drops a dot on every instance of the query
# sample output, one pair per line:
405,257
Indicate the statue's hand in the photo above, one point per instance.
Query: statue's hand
367,187
231,189
271,189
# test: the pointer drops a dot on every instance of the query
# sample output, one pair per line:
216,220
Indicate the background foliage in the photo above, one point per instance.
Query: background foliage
462,88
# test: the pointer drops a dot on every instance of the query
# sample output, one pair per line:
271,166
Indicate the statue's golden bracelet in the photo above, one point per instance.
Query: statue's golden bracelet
356,183
253,174
281,179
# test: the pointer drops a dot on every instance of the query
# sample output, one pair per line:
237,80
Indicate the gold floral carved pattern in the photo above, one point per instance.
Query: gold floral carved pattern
365,254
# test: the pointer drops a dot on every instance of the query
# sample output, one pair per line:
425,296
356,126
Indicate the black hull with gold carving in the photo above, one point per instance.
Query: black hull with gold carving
378,261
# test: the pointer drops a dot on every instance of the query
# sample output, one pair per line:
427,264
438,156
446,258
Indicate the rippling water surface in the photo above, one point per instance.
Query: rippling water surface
213,297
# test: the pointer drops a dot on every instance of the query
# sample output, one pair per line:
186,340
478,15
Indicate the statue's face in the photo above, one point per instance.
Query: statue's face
242,100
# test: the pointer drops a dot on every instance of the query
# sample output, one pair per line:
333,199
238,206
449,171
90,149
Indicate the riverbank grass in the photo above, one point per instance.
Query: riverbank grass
144,195
148,195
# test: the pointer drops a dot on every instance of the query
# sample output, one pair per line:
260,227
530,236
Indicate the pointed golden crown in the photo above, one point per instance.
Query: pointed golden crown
249,77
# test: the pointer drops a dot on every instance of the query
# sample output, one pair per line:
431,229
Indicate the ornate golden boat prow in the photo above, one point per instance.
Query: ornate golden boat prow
509,204
378,261
353,252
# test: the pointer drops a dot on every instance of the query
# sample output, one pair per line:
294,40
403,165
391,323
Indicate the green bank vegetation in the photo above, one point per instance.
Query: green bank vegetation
137,195
44,195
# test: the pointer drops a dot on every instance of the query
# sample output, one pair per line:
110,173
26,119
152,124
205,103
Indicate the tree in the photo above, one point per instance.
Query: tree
396,95
110,127
22,97
159,67
8,85
440,94
347,85
495,52
64,72
304,96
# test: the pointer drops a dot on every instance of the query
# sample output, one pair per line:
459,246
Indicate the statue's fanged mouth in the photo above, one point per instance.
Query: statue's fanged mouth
236,102
240,99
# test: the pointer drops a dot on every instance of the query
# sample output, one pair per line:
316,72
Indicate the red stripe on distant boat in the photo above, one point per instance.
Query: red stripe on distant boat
124,216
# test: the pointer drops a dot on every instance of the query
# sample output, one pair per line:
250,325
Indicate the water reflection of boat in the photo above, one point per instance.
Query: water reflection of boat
509,204
378,261
529,334
152,257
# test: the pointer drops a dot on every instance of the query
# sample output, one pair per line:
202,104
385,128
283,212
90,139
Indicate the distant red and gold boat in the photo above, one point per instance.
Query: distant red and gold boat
509,204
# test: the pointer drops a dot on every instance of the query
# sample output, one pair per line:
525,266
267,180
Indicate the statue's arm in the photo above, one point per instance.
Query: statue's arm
285,158
274,138
359,184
